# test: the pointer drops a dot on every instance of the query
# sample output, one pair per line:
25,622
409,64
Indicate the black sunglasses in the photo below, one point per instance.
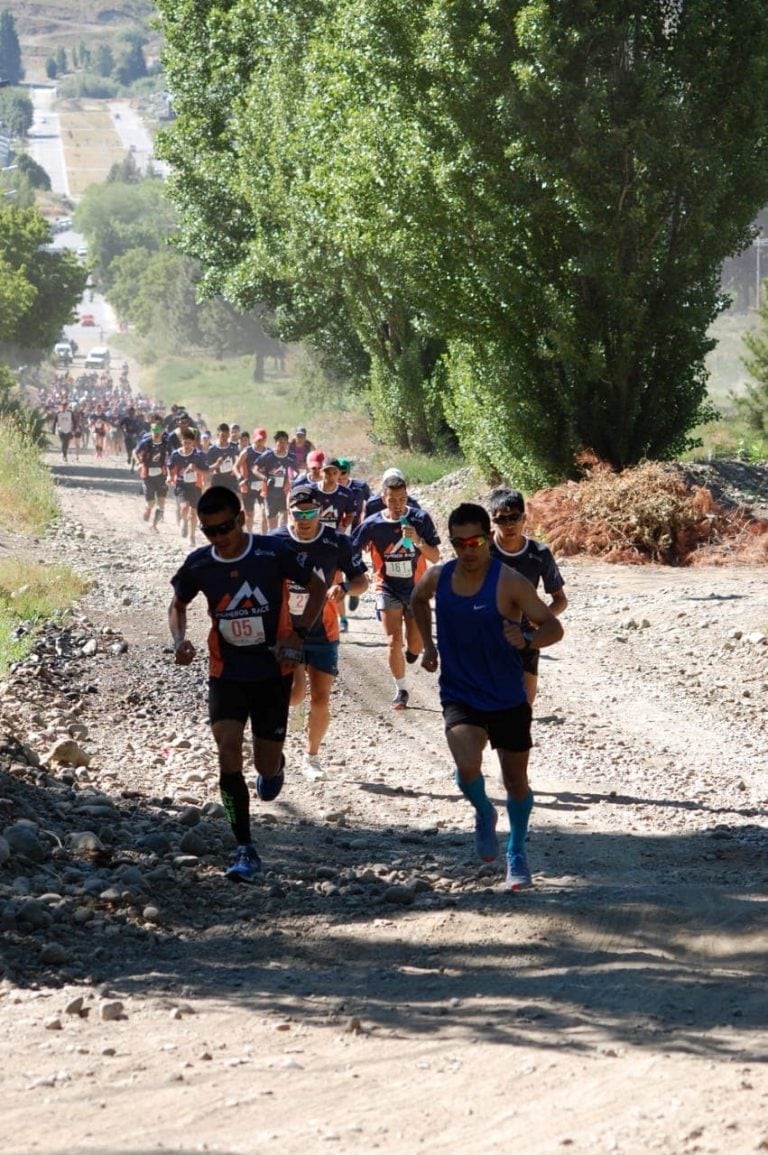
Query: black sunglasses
220,529
507,518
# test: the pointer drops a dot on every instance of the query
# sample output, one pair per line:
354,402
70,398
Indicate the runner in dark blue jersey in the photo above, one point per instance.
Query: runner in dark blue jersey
152,455
401,541
479,607
279,467
221,458
332,557
253,648
530,558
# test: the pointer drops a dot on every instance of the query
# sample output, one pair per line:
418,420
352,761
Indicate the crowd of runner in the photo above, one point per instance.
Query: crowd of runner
294,541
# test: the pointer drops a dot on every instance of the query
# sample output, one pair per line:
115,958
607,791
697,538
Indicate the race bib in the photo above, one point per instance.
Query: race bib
297,600
255,485
242,631
226,466
398,569
154,471
190,476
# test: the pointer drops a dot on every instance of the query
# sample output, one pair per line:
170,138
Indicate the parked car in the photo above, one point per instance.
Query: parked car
62,353
88,320
98,358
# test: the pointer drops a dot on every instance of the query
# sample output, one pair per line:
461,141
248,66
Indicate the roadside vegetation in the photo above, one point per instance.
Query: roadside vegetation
31,591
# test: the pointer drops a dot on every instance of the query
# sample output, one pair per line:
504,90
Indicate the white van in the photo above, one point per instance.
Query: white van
98,358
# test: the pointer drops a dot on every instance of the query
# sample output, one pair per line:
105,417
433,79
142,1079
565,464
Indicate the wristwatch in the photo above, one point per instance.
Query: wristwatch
302,631
345,586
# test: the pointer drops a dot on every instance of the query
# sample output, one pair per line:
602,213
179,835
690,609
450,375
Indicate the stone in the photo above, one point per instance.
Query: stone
111,1011
192,843
54,954
68,752
5,851
399,895
23,840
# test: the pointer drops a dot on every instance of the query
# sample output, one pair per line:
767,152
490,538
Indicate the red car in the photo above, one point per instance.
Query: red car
88,319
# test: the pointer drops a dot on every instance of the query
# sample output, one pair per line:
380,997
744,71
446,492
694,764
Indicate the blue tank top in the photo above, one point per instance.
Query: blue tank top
478,666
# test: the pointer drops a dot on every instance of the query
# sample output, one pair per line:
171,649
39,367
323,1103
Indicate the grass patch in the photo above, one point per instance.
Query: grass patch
30,594
91,145
419,468
27,493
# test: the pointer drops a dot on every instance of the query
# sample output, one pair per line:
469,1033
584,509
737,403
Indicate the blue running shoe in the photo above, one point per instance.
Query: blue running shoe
486,842
269,788
354,602
518,872
247,864
343,626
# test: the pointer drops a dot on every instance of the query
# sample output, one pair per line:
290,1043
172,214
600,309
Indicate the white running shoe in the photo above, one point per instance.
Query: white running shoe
312,768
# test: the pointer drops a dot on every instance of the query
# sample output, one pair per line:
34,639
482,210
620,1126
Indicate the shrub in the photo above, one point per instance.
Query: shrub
645,513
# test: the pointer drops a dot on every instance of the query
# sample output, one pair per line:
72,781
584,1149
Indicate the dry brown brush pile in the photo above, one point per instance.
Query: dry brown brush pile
645,514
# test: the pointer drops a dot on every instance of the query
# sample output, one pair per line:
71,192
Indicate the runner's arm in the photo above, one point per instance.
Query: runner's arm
516,596
177,622
421,597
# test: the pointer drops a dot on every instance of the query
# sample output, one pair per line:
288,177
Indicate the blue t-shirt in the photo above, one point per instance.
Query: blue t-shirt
225,457
275,468
247,603
478,666
336,505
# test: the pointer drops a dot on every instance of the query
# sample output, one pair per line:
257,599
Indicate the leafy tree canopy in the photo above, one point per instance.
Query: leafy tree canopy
519,211
10,50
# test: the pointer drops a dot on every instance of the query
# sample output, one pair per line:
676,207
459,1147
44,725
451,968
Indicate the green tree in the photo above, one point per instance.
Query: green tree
105,60
547,190
61,59
16,111
39,286
752,405
51,68
34,172
117,217
130,62
10,50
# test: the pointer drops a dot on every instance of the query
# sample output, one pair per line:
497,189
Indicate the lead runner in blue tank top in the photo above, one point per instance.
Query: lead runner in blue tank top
479,605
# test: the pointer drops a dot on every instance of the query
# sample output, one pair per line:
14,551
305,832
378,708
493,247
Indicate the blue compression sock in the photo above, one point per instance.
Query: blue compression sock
474,792
519,813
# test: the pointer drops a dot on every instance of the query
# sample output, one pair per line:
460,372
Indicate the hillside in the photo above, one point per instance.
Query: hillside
44,28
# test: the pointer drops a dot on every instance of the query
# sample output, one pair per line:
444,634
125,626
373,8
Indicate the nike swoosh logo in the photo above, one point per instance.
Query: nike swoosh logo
478,607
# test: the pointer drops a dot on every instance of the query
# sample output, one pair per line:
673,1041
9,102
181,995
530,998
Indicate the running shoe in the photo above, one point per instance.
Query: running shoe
400,700
354,602
269,788
312,768
518,872
247,864
486,843
343,625
410,657
147,513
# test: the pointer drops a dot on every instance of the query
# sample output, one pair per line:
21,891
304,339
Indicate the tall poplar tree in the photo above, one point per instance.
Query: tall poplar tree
10,50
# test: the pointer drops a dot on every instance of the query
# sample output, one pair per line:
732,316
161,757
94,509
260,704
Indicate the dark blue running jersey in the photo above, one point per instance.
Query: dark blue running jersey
221,462
336,506
534,561
247,603
478,666
397,563
152,456
328,553
276,469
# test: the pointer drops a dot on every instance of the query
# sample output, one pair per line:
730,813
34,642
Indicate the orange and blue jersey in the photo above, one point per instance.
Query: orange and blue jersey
397,563
329,553
247,602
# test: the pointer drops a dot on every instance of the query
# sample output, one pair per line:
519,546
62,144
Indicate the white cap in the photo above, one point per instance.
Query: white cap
392,475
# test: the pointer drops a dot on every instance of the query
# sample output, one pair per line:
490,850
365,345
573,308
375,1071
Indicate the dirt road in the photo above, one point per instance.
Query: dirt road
378,991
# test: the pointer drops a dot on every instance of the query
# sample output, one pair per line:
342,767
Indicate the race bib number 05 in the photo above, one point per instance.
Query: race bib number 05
242,631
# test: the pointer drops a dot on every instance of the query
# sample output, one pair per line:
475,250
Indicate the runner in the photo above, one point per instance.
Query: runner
530,558
99,427
361,491
332,557
252,484
64,426
152,456
187,468
132,427
277,466
376,503
221,459
479,604
313,475
252,652
299,447
337,505
401,541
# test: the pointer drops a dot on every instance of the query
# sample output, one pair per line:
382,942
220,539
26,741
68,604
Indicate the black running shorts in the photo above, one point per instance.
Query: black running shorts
265,703
508,729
